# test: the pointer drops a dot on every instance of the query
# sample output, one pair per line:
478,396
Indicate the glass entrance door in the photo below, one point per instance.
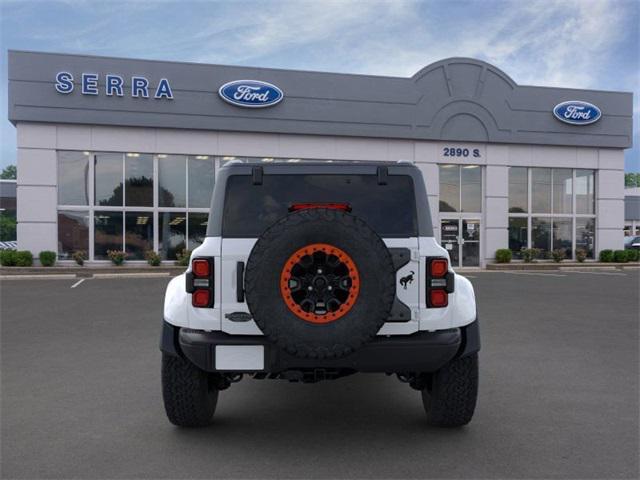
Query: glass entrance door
461,238
470,243
450,235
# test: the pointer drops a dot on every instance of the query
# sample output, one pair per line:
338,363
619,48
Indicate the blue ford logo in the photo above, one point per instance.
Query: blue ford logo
250,93
576,112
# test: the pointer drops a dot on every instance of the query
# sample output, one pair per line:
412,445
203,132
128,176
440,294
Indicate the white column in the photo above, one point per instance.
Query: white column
37,188
610,200
496,210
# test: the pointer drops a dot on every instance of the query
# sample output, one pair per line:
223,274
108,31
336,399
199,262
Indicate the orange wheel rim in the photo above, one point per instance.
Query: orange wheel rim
319,283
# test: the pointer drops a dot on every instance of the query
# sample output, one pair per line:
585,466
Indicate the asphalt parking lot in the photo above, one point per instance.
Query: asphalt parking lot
558,395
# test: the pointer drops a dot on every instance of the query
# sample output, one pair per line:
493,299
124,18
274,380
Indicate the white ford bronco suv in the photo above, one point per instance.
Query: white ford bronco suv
314,271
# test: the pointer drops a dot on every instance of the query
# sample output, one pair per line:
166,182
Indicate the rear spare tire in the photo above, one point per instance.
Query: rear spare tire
320,283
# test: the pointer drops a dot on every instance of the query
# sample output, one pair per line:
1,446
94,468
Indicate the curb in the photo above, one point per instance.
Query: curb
24,273
562,266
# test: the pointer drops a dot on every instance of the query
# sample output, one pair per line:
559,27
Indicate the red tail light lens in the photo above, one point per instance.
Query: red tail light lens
438,298
439,267
201,298
200,268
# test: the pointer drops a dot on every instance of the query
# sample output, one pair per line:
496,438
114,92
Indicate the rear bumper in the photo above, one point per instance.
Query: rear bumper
420,352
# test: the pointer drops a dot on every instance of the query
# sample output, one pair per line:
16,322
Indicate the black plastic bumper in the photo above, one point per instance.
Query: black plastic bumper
419,352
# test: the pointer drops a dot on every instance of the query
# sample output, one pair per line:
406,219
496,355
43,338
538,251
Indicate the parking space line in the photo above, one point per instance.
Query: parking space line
131,275
78,283
538,274
599,273
54,276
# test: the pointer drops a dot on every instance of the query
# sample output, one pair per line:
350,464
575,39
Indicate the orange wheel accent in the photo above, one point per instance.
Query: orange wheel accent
319,283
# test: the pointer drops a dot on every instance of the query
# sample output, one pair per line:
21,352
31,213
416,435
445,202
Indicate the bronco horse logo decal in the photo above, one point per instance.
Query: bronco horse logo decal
404,281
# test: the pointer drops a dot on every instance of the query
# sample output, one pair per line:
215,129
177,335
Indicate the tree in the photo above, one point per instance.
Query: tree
9,173
632,180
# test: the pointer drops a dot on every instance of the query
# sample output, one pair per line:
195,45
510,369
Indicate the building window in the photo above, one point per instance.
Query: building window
518,190
108,233
518,235
554,207
586,235
449,188
585,192
172,233
200,185
460,188
73,232
197,228
73,178
133,202
562,238
541,190
562,190
108,168
138,237
471,191
172,176
138,175
541,235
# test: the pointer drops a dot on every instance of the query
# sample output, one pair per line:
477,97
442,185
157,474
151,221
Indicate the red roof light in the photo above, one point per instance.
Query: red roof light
332,206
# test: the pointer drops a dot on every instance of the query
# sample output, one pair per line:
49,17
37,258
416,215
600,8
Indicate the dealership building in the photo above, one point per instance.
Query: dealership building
122,154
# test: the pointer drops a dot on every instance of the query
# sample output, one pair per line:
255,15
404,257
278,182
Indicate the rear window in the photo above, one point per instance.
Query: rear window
389,209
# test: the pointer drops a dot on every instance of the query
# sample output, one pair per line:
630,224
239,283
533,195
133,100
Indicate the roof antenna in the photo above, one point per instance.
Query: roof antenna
256,174
383,173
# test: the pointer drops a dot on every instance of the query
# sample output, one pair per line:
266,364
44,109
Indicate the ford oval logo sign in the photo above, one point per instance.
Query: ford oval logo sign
250,93
577,112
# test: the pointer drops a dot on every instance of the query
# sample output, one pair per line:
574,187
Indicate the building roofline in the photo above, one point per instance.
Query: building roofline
416,75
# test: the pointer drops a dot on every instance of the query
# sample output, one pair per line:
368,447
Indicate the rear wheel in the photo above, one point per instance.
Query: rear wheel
190,394
449,396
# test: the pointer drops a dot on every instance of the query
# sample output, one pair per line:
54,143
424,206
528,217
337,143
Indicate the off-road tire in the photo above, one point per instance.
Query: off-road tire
450,395
376,293
189,394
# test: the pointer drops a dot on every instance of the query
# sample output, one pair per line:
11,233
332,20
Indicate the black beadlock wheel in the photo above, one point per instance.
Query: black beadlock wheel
320,283
450,395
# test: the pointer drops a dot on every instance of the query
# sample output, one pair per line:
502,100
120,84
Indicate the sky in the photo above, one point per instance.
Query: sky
567,43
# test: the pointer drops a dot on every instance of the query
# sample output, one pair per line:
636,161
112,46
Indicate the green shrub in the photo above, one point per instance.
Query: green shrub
503,255
620,256
47,258
558,255
530,254
153,258
633,255
183,258
79,256
117,256
581,254
606,256
24,258
527,255
7,258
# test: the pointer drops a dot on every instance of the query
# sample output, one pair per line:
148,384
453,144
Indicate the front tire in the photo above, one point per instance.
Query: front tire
190,394
450,395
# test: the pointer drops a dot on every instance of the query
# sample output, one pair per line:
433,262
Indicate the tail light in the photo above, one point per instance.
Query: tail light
440,282
332,206
199,282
